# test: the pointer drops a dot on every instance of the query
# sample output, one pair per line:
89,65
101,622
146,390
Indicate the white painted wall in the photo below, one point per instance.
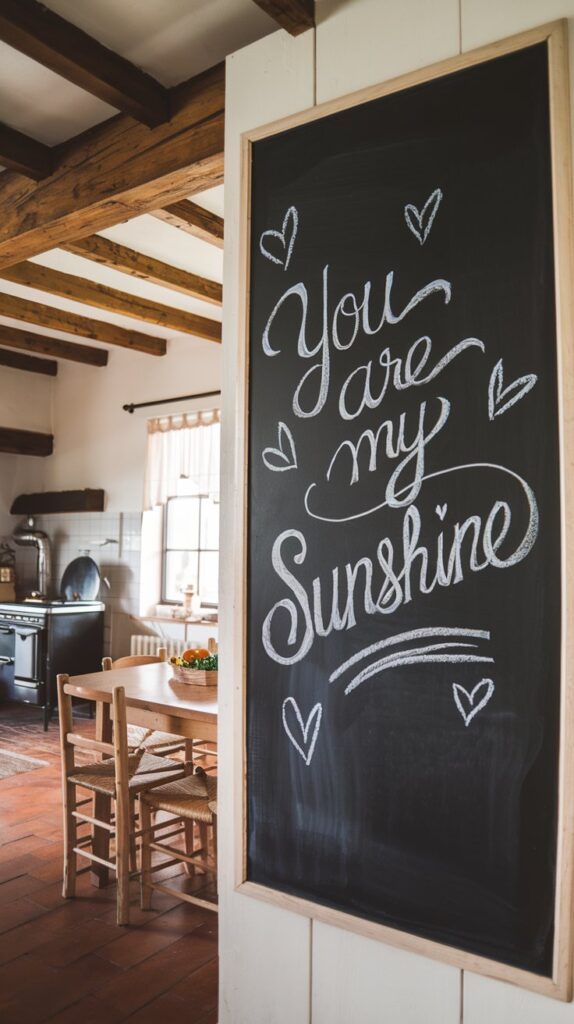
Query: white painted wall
25,404
97,444
277,968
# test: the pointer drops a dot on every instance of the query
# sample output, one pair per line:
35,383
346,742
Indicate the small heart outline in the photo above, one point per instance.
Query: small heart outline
288,458
411,211
518,388
457,689
315,713
273,233
441,511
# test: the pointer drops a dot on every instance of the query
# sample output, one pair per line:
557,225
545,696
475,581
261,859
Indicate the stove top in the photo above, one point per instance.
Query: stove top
25,609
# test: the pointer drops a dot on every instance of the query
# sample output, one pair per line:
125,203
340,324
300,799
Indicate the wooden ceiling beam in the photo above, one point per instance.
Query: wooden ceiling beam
50,40
118,170
146,268
18,361
295,16
24,155
28,341
25,442
68,286
81,326
194,220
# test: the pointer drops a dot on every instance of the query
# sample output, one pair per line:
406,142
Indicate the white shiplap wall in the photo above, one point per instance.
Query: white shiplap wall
275,967
265,969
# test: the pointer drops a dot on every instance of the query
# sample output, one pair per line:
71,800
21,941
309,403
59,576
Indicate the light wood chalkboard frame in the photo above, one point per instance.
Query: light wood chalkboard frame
555,35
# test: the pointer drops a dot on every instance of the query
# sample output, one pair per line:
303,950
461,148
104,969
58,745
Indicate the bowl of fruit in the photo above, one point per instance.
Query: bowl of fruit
196,666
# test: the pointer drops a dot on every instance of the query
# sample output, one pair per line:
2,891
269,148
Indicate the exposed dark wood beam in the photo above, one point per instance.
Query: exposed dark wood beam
61,46
117,170
146,268
25,442
89,293
28,341
296,16
46,502
81,326
194,220
24,155
17,361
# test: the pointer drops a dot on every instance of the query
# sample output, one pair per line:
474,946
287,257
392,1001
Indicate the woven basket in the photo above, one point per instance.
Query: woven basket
194,676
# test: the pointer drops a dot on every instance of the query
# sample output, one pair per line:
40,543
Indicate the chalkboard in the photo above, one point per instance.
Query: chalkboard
404,556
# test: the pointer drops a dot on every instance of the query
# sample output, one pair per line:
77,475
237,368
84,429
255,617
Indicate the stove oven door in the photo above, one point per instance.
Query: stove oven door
29,686
7,645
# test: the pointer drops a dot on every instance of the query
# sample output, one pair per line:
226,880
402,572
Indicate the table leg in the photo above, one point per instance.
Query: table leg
102,804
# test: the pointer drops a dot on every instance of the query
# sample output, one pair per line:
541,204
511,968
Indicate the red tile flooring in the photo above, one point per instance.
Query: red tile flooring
66,961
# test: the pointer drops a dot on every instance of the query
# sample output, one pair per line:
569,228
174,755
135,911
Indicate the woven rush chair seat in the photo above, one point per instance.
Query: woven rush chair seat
194,796
144,770
154,740
191,803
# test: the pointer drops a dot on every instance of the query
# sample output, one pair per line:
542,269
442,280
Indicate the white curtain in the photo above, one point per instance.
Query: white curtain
182,457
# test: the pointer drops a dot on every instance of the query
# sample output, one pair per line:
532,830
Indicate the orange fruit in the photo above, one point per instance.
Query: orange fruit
195,654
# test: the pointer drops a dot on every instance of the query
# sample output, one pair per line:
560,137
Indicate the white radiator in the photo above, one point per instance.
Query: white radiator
150,644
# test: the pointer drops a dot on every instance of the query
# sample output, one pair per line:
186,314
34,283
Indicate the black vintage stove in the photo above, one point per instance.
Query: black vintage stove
39,639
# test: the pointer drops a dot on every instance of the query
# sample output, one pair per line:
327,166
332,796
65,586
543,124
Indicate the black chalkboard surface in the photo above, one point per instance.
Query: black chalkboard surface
404,555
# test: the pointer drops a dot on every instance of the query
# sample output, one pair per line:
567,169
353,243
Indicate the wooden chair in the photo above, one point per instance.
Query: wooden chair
190,801
150,739
120,776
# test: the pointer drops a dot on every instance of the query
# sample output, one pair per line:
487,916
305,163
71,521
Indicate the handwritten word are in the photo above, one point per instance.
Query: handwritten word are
340,329
402,375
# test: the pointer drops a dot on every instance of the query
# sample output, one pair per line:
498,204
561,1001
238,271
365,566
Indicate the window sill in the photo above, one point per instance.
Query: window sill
176,619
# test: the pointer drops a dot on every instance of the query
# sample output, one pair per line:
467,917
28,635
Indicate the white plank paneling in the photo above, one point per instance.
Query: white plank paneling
353,981
265,952
493,1002
483,21
369,41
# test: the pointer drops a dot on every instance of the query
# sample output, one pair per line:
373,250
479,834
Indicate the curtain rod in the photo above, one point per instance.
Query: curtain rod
167,401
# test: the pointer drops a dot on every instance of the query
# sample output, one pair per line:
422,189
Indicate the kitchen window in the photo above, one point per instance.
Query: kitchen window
180,527
191,548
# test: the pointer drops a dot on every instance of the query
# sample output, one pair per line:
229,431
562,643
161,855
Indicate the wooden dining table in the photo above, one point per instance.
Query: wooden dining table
155,700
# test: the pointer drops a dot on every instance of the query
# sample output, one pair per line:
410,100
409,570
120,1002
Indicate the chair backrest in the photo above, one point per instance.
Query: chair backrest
71,741
133,660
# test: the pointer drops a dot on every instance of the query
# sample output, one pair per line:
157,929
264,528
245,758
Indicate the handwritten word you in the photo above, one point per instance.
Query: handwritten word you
340,329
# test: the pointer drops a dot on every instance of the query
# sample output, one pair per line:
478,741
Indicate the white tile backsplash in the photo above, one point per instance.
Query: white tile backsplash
113,541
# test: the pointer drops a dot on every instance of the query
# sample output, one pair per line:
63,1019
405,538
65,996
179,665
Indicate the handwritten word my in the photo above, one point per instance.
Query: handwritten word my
397,493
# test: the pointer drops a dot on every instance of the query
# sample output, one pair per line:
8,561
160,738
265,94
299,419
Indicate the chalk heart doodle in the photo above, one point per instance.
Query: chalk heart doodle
284,456
501,399
469,704
277,246
441,511
298,731
421,221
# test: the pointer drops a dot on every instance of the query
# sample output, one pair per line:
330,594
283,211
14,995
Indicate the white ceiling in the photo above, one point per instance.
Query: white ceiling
172,40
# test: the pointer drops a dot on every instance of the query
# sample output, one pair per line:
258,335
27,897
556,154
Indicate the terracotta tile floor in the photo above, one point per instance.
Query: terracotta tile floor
66,961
